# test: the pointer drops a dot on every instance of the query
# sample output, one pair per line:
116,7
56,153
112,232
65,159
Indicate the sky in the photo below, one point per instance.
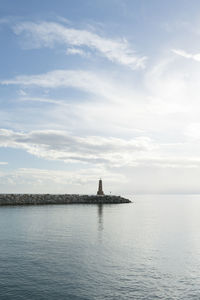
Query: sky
100,89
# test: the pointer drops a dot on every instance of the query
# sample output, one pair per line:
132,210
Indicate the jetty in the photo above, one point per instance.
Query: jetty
45,199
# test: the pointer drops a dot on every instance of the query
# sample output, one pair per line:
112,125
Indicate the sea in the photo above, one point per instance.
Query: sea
148,249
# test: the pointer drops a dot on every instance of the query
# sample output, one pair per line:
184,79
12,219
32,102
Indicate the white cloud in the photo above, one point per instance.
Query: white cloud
32,180
44,100
88,109
169,162
167,100
3,163
186,54
58,145
99,84
103,151
48,34
58,78
77,51
83,80
193,131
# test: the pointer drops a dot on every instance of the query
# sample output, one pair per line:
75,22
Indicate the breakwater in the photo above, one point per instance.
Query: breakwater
45,199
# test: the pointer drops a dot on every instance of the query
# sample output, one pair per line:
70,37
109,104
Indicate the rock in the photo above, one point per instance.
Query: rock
40,199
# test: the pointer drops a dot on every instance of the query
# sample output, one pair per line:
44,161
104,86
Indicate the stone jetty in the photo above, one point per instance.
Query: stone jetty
45,199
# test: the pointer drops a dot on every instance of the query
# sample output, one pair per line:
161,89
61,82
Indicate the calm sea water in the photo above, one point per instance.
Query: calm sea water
146,250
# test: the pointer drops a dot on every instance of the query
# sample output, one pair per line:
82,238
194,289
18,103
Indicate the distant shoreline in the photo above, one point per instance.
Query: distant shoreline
46,199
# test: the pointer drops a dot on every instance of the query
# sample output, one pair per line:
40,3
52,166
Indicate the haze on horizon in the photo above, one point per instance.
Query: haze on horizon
94,89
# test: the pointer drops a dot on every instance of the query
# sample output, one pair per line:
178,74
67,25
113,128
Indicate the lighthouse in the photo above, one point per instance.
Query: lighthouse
100,189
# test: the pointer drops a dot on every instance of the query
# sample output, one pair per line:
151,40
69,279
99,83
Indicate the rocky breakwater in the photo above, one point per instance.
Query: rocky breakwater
45,199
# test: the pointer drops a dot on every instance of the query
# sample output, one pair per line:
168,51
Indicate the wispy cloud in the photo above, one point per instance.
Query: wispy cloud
93,150
59,145
63,177
58,181
186,54
83,80
94,83
43,100
76,51
49,34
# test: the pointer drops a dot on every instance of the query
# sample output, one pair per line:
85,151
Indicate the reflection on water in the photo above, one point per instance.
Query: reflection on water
100,217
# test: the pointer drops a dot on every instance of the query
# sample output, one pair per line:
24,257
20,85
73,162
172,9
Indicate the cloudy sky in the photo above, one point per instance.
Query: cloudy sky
100,88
